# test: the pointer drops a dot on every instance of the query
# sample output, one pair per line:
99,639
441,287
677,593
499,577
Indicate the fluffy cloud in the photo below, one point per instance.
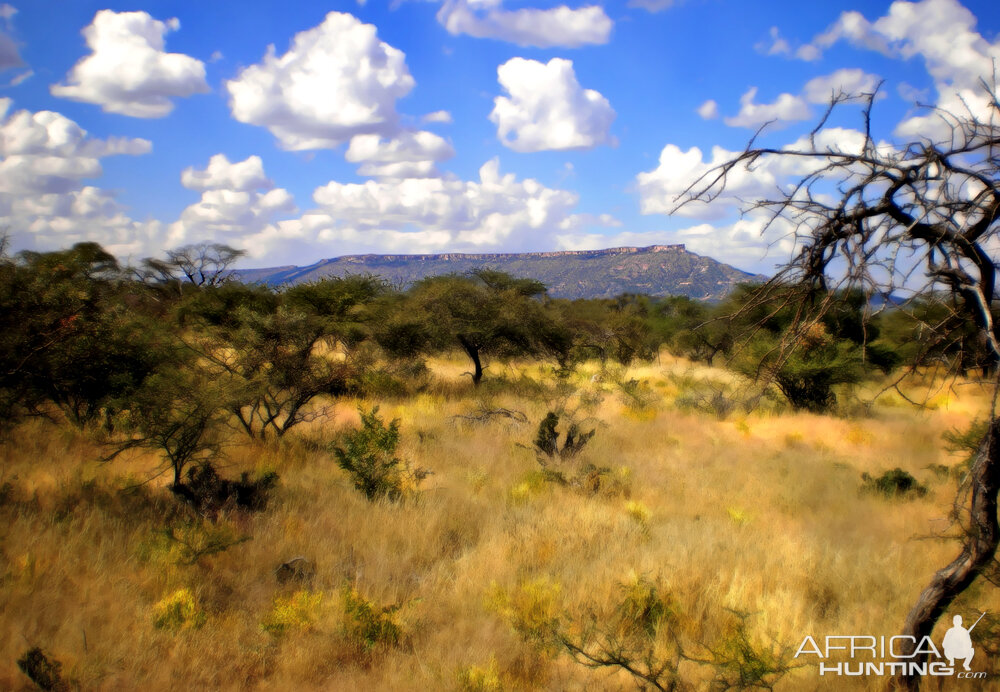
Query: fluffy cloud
662,189
786,108
708,110
845,82
790,107
220,174
558,26
679,172
547,109
46,152
942,32
44,159
431,215
336,81
237,200
776,45
128,71
407,155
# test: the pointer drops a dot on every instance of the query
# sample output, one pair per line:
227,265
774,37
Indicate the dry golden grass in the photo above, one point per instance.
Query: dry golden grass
759,512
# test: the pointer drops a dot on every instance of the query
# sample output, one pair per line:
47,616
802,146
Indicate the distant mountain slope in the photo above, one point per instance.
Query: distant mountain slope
656,270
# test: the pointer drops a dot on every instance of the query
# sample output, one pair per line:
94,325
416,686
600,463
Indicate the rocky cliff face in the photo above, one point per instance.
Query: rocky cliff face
654,270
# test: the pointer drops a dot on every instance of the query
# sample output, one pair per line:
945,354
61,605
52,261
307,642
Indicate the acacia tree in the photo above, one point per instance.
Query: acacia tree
278,351
920,219
201,264
489,313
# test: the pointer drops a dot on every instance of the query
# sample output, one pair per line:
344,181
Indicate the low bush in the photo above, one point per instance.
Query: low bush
44,671
547,444
368,456
368,624
894,483
208,493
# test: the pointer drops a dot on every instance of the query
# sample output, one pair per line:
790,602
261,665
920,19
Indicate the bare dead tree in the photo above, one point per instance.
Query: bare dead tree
203,264
918,221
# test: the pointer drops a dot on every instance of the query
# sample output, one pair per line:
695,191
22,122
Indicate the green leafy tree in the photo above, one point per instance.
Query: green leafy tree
279,351
488,313
177,413
73,333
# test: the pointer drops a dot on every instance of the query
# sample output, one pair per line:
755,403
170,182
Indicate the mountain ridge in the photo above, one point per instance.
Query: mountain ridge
655,270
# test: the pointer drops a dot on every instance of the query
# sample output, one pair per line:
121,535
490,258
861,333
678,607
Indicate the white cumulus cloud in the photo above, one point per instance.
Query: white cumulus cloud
559,26
681,172
220,174
128,70
842,82
786,107
547,109
46,152
443,214
793,107
942,33
237,201
407,155
44,160
336,81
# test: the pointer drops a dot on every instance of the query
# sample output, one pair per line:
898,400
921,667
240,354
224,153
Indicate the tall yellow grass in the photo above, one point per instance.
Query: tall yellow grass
760,512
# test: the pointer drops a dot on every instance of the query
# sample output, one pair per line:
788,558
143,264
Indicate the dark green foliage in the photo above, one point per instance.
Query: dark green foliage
805,351
741,663
70,336
42,670
893,484
616,329
273,350
368,456
547,442
486,314
932,329
204,490
370,624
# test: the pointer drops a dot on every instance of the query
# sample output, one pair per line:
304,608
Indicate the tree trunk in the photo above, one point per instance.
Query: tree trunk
473,352
977,553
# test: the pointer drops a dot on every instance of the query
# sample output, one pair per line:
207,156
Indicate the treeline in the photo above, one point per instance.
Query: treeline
163,354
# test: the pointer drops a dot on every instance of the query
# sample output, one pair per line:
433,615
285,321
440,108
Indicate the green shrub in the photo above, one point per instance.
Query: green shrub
547,444
368,457
744,662
894,483
369,624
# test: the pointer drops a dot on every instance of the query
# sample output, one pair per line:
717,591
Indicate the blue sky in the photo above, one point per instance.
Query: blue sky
303,130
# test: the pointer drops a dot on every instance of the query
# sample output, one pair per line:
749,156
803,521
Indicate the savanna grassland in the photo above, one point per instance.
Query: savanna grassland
723,534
